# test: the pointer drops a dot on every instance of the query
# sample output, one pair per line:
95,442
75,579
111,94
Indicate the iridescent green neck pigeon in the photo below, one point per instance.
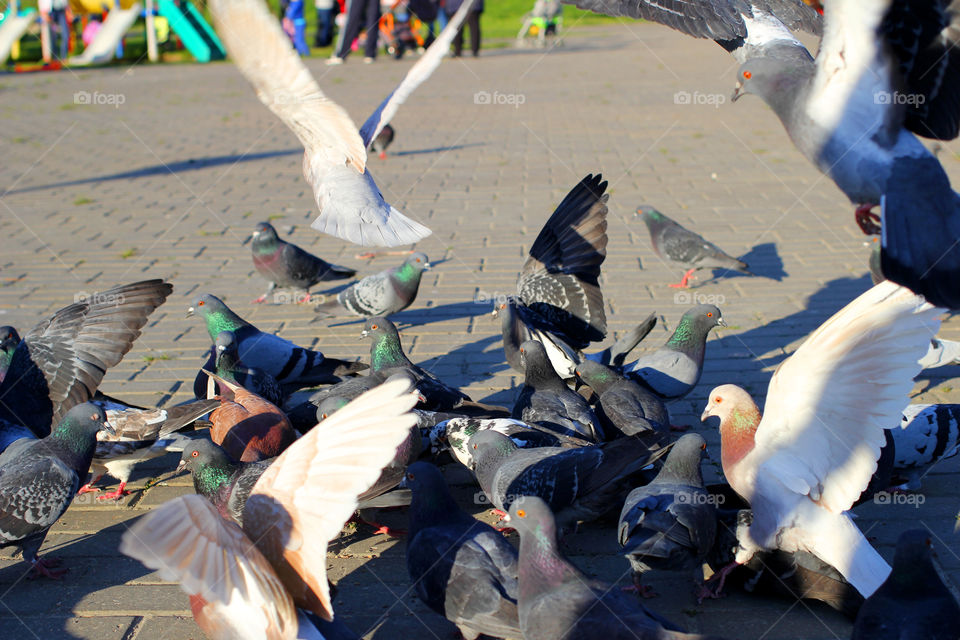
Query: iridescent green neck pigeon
227,365
381,294
9,339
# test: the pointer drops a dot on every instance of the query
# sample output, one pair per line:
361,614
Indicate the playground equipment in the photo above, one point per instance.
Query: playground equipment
197,35
545,19
104,45
15,24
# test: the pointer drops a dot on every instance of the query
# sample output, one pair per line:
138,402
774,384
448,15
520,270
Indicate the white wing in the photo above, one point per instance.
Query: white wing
317,480
187,541
827,405
262,52
418,73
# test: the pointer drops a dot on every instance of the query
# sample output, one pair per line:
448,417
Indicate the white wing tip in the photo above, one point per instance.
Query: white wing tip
393,230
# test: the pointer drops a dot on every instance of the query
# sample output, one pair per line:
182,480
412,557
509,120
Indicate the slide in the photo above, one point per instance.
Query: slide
196,34
104,46
12,29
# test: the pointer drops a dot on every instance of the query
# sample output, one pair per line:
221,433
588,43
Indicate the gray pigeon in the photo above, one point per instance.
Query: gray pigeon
673,370
624,406
547,400
580,484
225,362
460,567
456,433
286,265
560,602
9,339
671,523
913,603
684,247
928,433
381,294
39,478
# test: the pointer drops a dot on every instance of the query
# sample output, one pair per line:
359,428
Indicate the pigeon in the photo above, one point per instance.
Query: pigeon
225,483
456,433
579,484
61,361
673,370
559,301
289,364
671,523
138,435
9,339
818,441
286,265
913,602
381,294
546,399
228,366
383,140
684,247
248,427
941,353
296,507
616,354
928,433
460,567
38,479
623,406
387,358
351,205
560,602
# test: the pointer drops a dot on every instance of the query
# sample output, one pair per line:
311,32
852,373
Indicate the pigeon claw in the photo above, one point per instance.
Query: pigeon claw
713,588
387,531
383,155
45,567
86,489
260,300
115,495
868,221
684,282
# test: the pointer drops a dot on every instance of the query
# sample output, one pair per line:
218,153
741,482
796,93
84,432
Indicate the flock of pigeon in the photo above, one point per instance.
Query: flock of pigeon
285,445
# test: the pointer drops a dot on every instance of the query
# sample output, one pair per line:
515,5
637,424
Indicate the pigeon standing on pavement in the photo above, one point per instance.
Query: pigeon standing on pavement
684,247
285,265
39,478
623,405
289,364
381,294
560,602
670,523
913,602
460,567
673,370
225,483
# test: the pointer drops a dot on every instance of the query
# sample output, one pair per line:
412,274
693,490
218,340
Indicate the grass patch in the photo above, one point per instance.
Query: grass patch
129,253
160,356
82,200
276,216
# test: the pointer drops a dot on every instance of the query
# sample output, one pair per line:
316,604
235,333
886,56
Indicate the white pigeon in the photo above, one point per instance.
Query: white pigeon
817,444
334,160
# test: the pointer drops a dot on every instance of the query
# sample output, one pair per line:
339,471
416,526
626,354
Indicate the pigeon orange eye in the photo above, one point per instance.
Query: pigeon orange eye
409,476
323,416
703,447
474,446
200,304
195,454
418,259
709,314
522,513
374,327
747,75
718,399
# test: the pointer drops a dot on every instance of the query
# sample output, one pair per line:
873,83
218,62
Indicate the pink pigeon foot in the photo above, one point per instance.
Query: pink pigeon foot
87,489
387,531
115,495
260,300
707,590
684,282
383,155
868,221
45,567
642,590
305,299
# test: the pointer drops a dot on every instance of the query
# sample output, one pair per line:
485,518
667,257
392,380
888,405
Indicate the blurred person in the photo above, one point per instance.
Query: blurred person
326,12
473,21
360,14
54,14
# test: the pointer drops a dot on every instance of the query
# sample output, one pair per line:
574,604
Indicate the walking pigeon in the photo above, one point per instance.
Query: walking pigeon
460,567
684,247
39,478
225,483
381,294
560,602
61,361
671,523
579,484
289,364
913,602
284,264
334,160
558,301
673,370
818,441
547,400
623,405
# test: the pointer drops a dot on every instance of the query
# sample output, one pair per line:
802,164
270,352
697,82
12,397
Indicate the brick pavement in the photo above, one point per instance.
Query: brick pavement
170,183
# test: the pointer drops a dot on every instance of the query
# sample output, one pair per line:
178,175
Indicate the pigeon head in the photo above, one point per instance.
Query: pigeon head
265,230
265,238
209,464
739,419
650,216
215,313
777,82
597,376
418,262
78,430
695,324
683,461
488,449
533,520
330,406
536,364
912,563
385,347
429,493
9,339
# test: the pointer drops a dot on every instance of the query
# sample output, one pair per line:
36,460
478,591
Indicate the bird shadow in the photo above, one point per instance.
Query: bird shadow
763,261
469,363
438,313
417,152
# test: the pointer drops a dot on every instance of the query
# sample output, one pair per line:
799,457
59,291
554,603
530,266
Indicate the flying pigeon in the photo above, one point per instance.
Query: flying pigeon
560,602
684,247
226,364
547,400
289,364
623,405
927,434
579,484
381,294
913,602
455,434
248,427
840,390
9,339
673,370
460,567
671,523
286,265
38,479
61,361
138,435
225,483
335,157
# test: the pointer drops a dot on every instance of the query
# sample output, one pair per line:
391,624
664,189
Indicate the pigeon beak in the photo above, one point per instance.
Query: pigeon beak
721,322
108,429
181,465
737,92
426,266
364,333
706,414
190,312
